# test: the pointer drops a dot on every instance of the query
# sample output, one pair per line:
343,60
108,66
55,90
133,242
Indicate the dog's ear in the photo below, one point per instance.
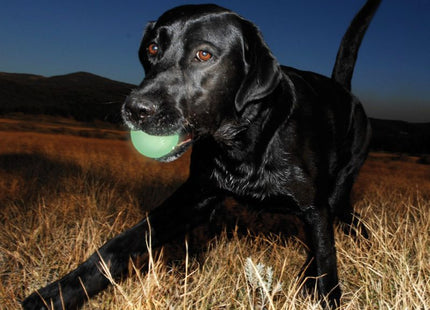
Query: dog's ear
263,71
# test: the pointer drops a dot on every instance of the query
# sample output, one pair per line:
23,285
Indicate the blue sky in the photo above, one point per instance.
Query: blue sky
392,75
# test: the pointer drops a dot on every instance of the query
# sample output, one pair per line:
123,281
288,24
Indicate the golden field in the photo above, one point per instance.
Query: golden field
66,188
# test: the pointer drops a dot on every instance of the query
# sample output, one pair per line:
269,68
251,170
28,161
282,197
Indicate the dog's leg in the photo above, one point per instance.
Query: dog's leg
342,208
321,265
186,208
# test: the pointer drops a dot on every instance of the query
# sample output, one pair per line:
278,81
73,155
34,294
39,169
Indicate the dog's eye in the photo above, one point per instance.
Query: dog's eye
153,49
203,55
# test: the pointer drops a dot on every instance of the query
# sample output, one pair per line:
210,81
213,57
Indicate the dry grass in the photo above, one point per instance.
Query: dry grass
61,197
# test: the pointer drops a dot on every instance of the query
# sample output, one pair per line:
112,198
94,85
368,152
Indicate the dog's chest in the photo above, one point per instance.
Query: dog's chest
255,182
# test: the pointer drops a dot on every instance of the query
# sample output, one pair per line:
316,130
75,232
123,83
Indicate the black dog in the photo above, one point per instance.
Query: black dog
273,137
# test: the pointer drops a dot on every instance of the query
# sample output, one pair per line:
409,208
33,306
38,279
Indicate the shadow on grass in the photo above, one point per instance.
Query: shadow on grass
29,176
26,178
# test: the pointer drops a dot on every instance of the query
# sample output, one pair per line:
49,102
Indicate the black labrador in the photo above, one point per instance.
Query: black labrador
272,137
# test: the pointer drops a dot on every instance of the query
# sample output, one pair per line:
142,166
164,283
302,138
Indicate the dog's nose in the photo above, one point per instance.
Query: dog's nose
138,110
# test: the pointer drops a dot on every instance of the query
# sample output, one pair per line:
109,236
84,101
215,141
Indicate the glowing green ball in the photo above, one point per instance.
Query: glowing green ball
153,146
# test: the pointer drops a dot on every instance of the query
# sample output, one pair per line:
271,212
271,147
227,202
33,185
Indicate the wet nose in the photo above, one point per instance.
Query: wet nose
138,110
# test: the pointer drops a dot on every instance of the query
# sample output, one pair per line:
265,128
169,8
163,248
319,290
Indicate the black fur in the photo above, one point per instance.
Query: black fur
272,137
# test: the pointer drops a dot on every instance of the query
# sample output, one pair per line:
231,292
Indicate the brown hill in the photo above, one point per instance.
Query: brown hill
80,95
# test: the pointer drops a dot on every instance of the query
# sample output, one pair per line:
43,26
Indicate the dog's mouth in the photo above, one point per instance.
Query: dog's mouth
162,136
186,139
162,147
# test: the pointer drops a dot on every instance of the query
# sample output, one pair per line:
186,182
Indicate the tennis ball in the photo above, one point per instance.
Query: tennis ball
153,146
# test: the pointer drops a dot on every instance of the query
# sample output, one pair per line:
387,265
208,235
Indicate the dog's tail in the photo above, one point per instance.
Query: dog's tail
348,50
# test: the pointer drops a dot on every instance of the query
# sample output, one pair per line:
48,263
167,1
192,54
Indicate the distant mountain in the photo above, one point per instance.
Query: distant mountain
83,96
87,97
400,136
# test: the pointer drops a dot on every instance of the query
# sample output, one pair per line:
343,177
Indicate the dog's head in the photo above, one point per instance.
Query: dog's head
204,65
